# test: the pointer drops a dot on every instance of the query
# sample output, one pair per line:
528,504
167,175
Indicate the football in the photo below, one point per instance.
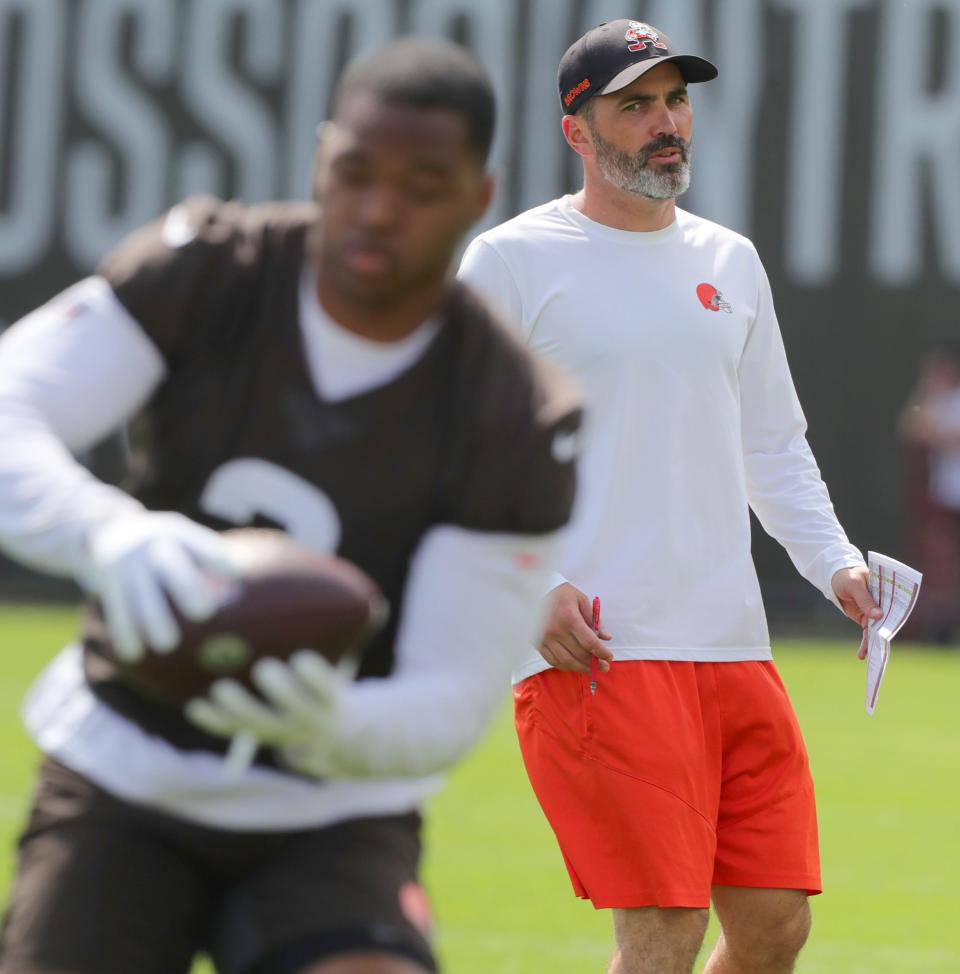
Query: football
286,598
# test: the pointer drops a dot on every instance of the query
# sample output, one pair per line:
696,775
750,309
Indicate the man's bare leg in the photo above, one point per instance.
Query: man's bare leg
650,940
763,930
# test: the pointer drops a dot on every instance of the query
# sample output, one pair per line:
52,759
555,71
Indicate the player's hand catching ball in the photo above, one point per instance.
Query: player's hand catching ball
850,588
568,641
296,710
142,566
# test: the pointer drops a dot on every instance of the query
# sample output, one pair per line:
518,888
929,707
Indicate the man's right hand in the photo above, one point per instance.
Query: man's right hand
138,565
568,641
295,709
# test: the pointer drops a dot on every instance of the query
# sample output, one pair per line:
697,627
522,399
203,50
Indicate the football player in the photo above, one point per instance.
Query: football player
313,367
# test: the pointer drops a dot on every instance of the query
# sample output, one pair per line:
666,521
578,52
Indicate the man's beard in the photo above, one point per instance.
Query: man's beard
632,172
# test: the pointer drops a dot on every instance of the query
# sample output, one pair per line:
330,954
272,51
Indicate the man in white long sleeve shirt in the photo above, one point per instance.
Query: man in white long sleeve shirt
310,367
675,773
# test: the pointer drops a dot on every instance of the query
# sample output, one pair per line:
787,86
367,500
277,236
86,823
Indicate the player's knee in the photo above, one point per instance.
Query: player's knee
657,939
774,943
691,925
791,933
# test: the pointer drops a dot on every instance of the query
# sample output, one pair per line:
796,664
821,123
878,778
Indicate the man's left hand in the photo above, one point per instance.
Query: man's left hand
295,712
850,588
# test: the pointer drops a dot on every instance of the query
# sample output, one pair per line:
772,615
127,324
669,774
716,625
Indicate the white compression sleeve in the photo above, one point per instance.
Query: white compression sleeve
71,372
471,611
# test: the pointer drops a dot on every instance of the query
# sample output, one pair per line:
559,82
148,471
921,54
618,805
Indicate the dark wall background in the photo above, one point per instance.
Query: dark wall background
832,138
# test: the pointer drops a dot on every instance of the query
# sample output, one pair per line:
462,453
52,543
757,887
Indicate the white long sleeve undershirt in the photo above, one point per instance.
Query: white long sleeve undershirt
71,373
77,369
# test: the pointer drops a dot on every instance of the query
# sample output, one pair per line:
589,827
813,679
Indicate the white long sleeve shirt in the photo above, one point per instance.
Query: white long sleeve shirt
692,419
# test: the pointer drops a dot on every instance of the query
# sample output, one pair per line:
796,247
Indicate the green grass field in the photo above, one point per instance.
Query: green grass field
888,789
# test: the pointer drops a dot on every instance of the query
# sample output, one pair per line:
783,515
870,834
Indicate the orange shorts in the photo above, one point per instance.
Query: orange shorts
673,778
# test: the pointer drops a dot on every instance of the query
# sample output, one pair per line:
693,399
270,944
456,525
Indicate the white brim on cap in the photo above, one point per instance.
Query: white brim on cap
692,68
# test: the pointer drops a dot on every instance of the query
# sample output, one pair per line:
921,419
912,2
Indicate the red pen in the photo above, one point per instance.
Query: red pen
594,665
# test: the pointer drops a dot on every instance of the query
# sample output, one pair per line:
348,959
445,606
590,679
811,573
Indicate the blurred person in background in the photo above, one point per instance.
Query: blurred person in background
930,428
678,774
313,366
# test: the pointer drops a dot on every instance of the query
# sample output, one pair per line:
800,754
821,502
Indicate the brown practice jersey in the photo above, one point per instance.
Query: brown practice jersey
239,434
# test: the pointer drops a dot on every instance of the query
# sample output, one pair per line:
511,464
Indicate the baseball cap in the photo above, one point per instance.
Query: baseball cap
612,55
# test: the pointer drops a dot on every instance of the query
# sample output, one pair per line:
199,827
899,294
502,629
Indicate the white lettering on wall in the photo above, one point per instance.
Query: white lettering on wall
491,33
543,146
725,110
229,110
311,73
256,105
35,106
815,154
135,127
918,134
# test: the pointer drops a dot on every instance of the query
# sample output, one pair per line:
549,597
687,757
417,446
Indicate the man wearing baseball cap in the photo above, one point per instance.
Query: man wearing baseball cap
660,741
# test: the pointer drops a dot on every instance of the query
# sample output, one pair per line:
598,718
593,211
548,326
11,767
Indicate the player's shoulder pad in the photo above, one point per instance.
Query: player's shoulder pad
170,273
190,233
205,226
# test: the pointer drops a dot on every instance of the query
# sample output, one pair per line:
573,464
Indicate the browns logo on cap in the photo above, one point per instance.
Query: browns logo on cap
576,90
612,55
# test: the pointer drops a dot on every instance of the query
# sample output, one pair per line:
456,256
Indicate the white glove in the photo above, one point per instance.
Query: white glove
303,698
136,562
